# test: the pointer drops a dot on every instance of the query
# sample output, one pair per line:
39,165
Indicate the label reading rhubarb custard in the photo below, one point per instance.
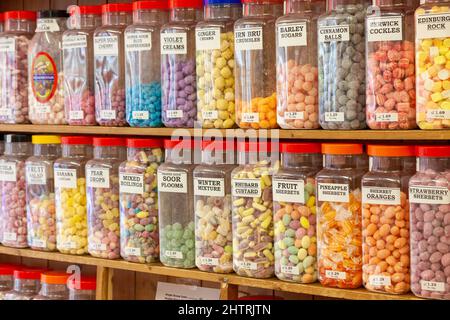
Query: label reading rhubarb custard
247,188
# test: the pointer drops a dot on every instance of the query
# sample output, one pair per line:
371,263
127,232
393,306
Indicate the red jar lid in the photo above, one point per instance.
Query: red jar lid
117,7
86,283
2,17
342,148
390,151
298,147
108,142
252,146
144,143
8,269
179,144
152,4
433,151
185,4
218,145
76,140
83,10
263,1
20,15
29,273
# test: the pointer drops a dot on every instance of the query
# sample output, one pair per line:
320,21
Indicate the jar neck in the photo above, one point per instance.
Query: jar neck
298,6
386,164
21,25
109,153
300,160
62,23
253,157
333,4
184,14
17,148
262,9
334,161
77,151
27,286
436,164
85,21
180,156
47,150
144,155
150,16
49,290
221,157
116,18
225,12
390,3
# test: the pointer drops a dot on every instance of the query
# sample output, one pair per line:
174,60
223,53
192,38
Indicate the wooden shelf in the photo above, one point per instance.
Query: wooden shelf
282,134
223,279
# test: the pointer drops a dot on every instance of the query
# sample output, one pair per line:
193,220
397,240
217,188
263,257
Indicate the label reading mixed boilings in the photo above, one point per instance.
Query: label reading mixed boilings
250,38
174,43
214,187
138,41
384,28
333,192
7,45
432,286
207,38
429,195
106,46
47,25
131,183
338,275
247,188
334,33
379,195
285,190
65,178
97,177
169,181
78,41
432,25
292,34
8,172
334,116
377,280
36,174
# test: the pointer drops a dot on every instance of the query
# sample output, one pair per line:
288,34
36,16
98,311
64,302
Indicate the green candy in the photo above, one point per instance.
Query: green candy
293,259
149,227
293,250
138,227
286,219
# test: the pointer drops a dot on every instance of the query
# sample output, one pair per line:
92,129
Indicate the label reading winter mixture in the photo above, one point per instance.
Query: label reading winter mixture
250,117
174,43
8,171
334,33
131,183
138,41
173,254
65,178
169,181
432,286
247,188
214,187
47,25
386,117
334,116
384,28
429,195
8,45
377,280
106,46
285,190
292,34
248,39
36,174
338,275
74,42
333,192
432,25
379,195
97,178
207,38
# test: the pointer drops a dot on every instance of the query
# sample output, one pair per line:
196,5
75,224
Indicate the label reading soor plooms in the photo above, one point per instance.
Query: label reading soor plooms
429,195
131,183
8,171
65,178
432,25
292,34
285,190
36,175
250,38
247,188
97,178
175,182
334,33
384,28
334,192
378,195
213,187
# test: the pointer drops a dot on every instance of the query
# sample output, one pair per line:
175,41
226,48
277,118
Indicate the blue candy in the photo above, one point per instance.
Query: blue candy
144,101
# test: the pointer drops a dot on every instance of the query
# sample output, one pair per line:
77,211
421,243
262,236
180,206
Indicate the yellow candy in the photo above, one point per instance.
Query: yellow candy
304,222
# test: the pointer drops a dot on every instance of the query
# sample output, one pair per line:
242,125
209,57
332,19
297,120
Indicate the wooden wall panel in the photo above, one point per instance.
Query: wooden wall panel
11,5
61,4
90,2
124,283
36,4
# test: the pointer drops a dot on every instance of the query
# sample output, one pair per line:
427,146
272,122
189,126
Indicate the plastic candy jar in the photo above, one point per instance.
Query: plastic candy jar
143,63
83,289
215,63
139,231
254,37
429,197
342,65
319,6
433,64
102,192
26,284
294,207
12,185
251,184
110,64
53,286
2,21
212,197
78,57
45,69
339,217
20,27
70,195
390,91
41,213
385,220
6,278
178,77
297,75
176,204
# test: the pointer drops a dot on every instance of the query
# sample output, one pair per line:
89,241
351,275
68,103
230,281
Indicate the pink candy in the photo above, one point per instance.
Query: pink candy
80,108
110,107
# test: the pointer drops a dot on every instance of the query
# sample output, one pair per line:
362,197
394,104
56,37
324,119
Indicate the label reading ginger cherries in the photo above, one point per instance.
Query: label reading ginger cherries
429,195
131,183
36,175
378,195
285,190
97,178
384,28
174,43
333,192
250,38
106,46
8,171
334,33
247,188
78,41
65,178
207,38
138,41
432,25
338,275
174,182
292,34
213,187
432,286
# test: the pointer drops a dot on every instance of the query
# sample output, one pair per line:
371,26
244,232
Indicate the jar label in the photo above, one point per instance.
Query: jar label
388,28
247,188
97,246
333,192
247,265
41,109
130,251
174,43
36,174
38,243
338,275
386,117
97,178
106,46
6,112
140,115
438,114
8,45
44,75
131,183
334,33
294,115
378,280
432,25
76,115
379,195
78,41
251,117
65,178
138,41
206,261
292,34
47,25
432,286
249,38
210,115
9,236
207,38
429,195
173,254
108,114
287,190
173,182
213,187
67,245
334,116
290,270
174,114
8,171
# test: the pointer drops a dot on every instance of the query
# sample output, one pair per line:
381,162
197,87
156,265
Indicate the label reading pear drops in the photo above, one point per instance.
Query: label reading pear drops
174,43
74,42
285,190
432,286
213,187
333,192
65,178
207,38
429,194
97,178
334,33
247,188
248,39
138,41
106,46
432,25
292,34
7,45
36,175
384,28
8,172
169,181
131,183
47,25
378,195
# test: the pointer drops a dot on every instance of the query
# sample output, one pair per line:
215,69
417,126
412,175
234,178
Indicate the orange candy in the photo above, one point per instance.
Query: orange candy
260,113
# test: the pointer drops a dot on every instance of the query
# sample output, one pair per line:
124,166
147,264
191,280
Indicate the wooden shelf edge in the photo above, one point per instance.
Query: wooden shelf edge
158,269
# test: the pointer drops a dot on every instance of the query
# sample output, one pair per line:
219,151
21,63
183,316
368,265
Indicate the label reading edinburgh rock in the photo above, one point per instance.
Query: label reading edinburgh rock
294,115
429,195
106,46
44,78
97,178
432,25
210,114
207,38
65,178
108,114
378,195
131,183
74,42
248,39
8,172
384,28
247,188
76,115
290,270
247,265
130,251
292,34
7,45
338,275
174,114
250,117
432,286
140,115
174,43
334,33
47,25
36,174
386,117
173,254
376,280
138,41
334,192
214,187
285,190
438,114
169,181
334,116
206,261
9,236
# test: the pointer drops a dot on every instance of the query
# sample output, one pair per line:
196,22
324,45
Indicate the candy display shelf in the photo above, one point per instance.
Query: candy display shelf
417,135
228,283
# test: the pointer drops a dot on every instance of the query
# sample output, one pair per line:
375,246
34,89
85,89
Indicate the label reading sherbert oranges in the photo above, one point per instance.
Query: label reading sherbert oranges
379,195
